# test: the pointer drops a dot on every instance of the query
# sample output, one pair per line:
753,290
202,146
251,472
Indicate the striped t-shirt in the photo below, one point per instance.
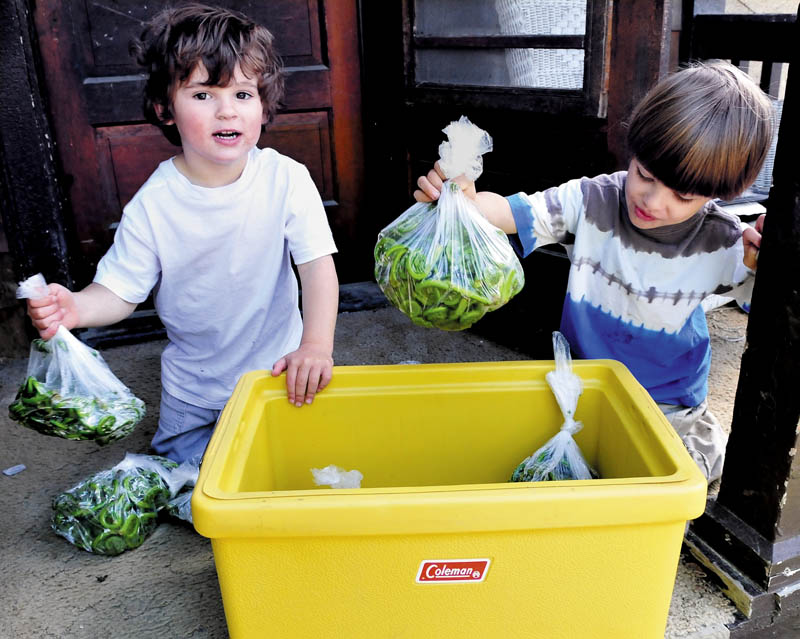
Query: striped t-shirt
634,295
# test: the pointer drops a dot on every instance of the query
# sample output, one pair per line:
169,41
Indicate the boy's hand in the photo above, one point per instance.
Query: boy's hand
308,371
751,237
430,185
57,308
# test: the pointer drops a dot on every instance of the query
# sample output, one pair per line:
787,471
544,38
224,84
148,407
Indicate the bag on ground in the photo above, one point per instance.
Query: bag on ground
117,509
180,506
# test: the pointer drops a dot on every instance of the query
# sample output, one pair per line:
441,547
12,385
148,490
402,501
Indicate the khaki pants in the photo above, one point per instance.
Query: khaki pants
701,434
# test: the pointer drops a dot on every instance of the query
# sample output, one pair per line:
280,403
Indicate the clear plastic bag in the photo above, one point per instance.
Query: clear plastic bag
115,510
443,263
180,506
560,458
69,391
336,477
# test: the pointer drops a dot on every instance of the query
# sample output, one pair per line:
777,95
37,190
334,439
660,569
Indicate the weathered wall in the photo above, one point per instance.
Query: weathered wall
31,205
14,339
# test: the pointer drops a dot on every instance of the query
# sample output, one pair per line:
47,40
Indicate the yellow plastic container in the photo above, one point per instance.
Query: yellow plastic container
436,542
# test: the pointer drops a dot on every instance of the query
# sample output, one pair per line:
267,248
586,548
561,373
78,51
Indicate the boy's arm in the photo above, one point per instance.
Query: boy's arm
497,210
309,368
494,207
751,238
93,306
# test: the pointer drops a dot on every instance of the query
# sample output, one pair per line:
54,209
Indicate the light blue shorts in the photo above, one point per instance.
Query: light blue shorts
184,430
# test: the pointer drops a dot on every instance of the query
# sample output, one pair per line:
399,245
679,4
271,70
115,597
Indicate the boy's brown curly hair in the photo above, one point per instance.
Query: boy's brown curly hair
176,40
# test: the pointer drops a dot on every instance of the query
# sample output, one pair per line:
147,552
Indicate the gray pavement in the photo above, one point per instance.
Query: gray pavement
168,586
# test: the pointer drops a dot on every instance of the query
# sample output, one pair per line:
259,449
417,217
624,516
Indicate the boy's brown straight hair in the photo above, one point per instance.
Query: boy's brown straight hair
176,40
703,130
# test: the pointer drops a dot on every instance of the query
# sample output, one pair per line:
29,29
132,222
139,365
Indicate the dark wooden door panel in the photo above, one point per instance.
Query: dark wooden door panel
119,98
132,153
107,151
113,83
306,138
107,28
128,155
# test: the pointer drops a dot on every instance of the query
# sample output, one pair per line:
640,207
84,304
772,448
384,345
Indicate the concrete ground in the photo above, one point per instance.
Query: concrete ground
168,586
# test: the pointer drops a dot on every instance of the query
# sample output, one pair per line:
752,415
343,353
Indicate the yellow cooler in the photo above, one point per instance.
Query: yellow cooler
437,542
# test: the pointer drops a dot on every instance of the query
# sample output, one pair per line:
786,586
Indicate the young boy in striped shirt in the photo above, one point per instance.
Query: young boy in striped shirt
647,245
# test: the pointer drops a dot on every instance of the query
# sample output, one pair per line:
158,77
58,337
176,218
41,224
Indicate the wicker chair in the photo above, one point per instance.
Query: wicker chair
543,68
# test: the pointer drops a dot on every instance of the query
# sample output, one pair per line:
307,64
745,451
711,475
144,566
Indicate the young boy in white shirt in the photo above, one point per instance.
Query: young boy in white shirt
213,232
647,245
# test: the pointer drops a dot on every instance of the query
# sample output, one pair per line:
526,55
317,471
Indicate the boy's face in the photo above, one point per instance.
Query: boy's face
652,204
218,125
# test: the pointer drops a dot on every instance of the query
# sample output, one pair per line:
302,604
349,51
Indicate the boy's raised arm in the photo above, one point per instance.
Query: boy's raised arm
497,210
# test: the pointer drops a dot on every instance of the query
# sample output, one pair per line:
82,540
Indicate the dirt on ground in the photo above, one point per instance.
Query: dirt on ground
167,588
727,326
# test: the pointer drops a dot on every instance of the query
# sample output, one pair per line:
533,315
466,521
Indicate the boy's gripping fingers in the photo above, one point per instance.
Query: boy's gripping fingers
430,185
49,312
45,315
429,188
751,238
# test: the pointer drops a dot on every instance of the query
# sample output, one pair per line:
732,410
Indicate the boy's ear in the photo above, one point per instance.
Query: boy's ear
161,112
263,117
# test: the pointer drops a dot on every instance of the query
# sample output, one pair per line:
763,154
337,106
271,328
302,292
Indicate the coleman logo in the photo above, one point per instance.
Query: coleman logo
440,571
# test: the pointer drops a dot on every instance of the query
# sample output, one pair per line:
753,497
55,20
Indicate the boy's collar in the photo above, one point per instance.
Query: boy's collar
672,233
675,232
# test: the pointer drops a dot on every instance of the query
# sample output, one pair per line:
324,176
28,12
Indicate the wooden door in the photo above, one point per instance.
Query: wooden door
107,151
448,58
551,82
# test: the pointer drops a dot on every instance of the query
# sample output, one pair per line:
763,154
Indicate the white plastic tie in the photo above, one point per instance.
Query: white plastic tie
462,153
33,288
132,461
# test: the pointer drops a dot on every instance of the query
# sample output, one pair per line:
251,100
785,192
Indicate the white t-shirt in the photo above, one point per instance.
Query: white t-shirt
219,261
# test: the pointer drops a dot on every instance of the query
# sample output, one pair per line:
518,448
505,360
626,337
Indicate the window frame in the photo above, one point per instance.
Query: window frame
590,100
